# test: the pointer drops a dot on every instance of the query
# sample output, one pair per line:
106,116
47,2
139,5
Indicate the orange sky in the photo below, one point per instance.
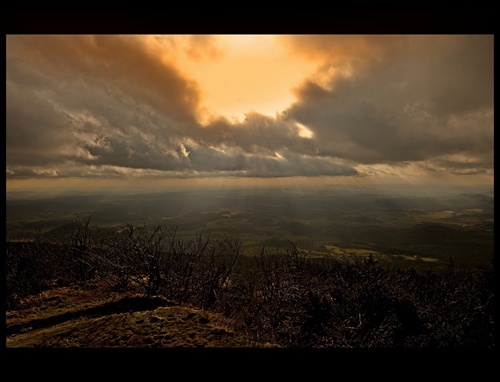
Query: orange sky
250,73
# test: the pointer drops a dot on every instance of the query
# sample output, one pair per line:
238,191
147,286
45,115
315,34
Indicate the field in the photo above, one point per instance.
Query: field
397,230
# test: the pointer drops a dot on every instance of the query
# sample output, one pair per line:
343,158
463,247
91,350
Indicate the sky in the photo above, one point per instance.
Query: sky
86,110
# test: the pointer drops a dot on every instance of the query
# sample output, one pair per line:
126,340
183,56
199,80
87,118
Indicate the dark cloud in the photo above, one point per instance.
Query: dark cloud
431,96
36,132
258,134
123,64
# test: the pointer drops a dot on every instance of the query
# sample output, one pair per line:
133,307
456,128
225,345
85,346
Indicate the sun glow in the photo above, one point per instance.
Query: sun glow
252,73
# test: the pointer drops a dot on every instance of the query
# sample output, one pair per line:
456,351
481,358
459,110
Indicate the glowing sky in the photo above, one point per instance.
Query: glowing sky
251,106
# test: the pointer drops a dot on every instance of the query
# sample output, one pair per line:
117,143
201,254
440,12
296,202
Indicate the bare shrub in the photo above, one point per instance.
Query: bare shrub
283,296
137,256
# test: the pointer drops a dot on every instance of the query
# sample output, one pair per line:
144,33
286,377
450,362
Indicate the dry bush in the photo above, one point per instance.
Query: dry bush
283,296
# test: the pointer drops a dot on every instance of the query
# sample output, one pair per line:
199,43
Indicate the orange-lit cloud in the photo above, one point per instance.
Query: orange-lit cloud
248,106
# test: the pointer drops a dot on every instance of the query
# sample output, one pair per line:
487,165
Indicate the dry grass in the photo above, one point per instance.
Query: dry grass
92,318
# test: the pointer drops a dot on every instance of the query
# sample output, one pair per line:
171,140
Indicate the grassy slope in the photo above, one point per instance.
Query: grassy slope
89,318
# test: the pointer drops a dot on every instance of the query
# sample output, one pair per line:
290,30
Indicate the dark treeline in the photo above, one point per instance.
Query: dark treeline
280,296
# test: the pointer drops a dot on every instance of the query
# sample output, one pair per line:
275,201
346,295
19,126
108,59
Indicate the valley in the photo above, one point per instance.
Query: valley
396,229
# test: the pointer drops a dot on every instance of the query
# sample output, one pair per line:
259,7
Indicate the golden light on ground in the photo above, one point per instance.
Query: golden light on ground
252,73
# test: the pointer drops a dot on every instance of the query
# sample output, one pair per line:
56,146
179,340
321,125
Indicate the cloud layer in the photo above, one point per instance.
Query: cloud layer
113,106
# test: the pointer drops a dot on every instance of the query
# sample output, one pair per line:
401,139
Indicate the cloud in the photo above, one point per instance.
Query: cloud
125,106
36,133
412,98
67,95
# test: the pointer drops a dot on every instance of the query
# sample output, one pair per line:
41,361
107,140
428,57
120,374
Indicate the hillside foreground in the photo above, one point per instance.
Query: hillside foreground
91,317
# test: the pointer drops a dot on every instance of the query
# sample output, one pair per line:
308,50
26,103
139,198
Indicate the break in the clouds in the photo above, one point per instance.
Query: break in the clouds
117,106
